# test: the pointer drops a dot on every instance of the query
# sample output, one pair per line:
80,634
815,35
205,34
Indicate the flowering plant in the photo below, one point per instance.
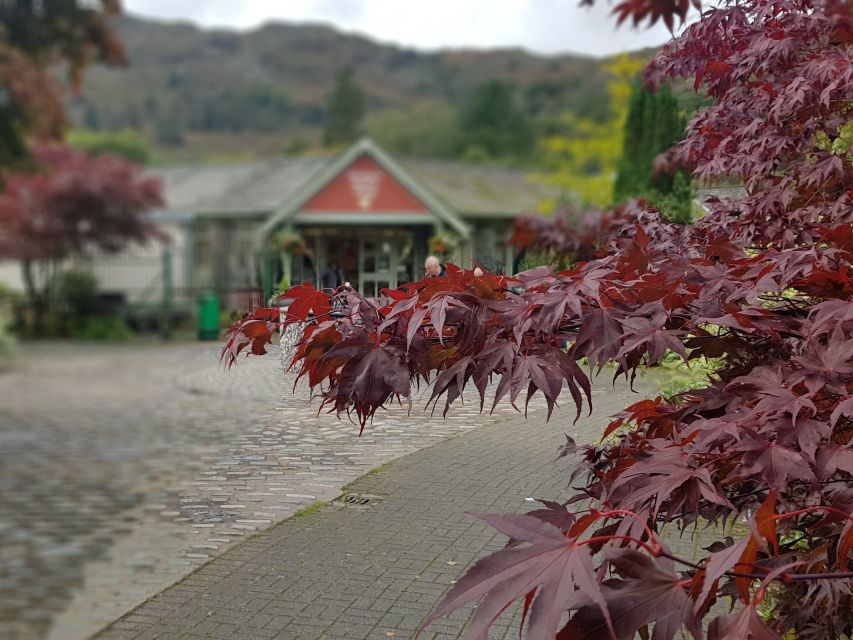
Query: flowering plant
442,243
290,241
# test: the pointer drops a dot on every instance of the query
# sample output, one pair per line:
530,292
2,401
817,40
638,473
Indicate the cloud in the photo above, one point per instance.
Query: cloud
557,25
544,26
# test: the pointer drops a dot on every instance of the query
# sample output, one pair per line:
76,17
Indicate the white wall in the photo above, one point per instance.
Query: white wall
136,271
10,275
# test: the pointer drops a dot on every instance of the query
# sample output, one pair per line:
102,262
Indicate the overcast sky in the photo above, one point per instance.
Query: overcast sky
544,26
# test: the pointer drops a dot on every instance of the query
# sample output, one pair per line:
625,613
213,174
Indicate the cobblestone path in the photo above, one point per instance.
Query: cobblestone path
122,469
356,570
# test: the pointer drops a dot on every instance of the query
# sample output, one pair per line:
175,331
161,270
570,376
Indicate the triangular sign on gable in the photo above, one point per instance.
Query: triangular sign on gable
364,186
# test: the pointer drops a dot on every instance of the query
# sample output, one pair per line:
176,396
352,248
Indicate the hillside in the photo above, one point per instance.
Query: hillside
197,92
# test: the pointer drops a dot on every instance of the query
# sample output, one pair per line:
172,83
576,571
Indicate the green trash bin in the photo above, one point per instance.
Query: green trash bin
208,317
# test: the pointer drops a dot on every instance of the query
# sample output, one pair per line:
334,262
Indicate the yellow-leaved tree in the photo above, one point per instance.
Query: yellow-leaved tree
581,162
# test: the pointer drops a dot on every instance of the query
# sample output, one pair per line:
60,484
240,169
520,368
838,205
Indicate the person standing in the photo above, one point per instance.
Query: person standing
433,268
332,276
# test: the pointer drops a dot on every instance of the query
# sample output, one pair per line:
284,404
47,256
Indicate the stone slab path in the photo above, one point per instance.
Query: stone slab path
123,469
375,563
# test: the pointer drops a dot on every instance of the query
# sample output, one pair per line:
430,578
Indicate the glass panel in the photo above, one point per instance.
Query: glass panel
369,264
384,263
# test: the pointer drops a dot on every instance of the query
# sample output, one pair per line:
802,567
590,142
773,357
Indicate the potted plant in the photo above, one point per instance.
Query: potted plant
292,242
442,243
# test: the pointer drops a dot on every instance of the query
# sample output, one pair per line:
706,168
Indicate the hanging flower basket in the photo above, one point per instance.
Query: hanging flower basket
442,243
291,242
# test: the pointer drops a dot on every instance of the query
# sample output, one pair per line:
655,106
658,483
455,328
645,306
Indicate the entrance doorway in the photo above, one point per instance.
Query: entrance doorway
370,258
377,265
385,263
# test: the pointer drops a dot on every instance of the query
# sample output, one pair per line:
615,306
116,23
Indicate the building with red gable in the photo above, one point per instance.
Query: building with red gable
373,217
240,230
246,227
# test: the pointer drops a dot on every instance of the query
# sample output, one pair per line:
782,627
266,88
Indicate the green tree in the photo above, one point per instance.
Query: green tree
73,204
35,38
581,161
345,111
169,129
492,126
653,125
91,117
677,203
127,144
427,129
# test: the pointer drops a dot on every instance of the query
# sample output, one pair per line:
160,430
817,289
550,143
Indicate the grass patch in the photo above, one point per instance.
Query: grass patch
369,474
377,470
307,511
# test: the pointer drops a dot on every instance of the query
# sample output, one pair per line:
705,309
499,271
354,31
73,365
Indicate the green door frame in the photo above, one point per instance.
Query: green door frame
267,262
377,276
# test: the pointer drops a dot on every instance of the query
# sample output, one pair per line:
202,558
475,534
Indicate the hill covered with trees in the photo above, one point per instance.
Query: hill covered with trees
198,93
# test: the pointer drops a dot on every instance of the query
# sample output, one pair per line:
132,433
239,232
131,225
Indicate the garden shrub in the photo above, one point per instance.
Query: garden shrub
762,284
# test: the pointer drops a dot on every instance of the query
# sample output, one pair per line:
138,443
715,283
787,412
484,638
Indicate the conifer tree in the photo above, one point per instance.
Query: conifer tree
345,110
492,126
582,160
653,125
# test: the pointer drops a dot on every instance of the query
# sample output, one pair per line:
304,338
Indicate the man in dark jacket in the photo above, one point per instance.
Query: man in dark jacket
332,277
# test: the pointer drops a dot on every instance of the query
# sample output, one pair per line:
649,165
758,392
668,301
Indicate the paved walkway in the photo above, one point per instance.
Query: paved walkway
374,564
123,469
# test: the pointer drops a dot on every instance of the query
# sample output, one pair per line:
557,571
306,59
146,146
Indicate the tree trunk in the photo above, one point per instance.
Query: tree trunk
37,304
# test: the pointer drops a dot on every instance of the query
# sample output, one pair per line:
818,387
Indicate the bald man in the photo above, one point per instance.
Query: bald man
433,268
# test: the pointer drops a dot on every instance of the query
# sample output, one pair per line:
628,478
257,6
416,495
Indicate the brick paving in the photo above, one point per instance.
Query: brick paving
94,442
123,469
352,571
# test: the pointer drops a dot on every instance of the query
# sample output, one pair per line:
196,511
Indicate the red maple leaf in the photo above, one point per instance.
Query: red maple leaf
558,568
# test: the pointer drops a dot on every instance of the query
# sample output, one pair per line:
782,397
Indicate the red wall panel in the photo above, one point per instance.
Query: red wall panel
364,186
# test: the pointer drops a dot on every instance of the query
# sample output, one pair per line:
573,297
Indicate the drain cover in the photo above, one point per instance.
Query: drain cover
358,499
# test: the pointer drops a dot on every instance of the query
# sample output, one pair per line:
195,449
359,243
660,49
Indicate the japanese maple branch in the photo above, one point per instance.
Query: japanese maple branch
785,577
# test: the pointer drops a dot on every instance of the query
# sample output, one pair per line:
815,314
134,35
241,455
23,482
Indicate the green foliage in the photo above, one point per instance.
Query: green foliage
102,329
677,204
638,147
13,144
307,511
7,340
345,111
227,317
37,39
169,130
673,376
127,144
653,125
295,147
8,298
427,129
841,145
77,314
78,292
491,125
582,159
252,108
533,259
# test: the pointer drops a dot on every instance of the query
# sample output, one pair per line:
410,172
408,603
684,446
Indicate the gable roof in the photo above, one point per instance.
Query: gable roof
237,188
480,190
364,147
262,187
